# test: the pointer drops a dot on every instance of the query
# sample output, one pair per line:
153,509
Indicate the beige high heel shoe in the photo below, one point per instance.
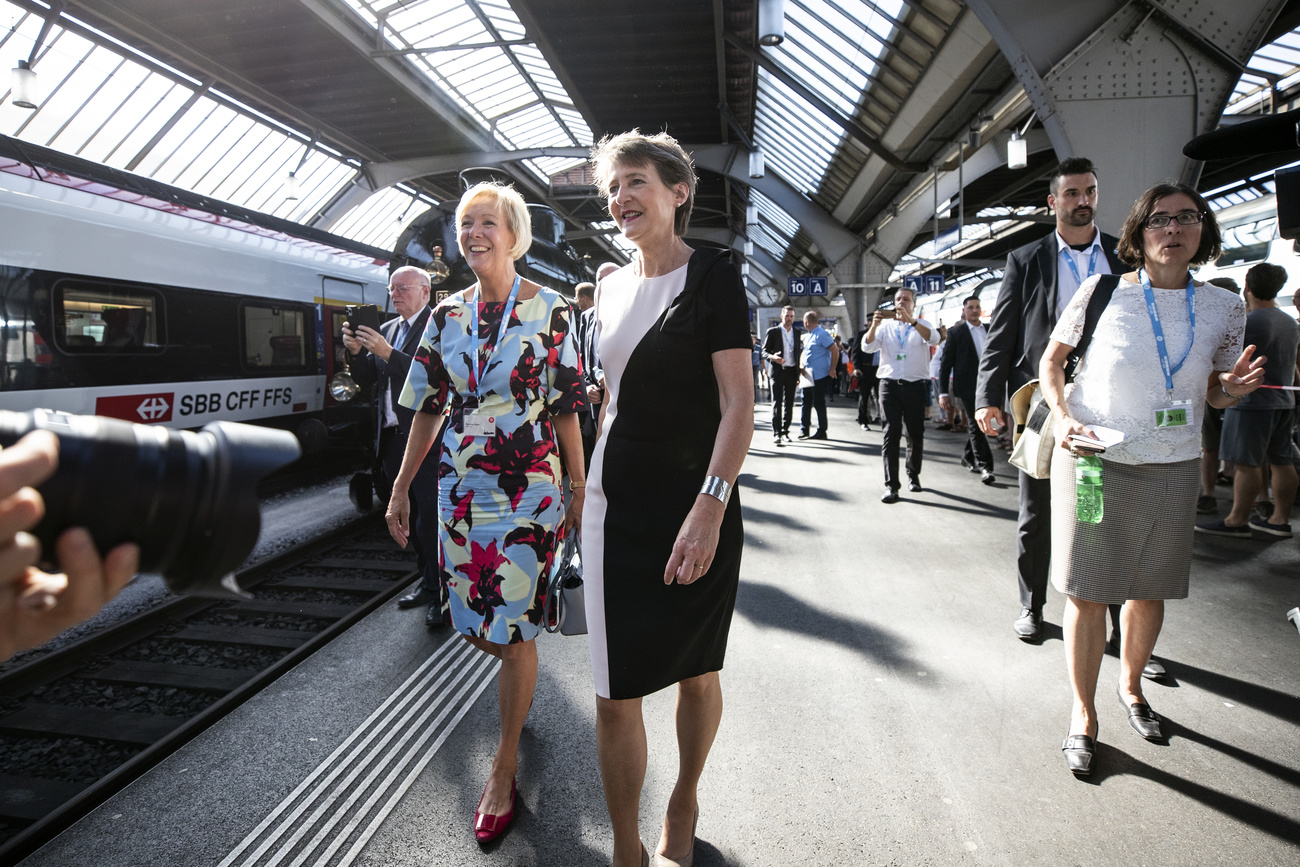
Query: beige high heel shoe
689,858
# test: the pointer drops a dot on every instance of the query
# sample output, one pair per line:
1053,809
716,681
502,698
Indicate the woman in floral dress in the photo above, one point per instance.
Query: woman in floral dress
498,363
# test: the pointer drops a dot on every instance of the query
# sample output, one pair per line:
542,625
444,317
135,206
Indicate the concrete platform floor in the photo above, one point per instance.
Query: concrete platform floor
879,710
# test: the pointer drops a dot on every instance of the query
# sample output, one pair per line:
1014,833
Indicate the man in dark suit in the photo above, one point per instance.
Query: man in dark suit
866,366
1039,281
961,361
382,358
781,347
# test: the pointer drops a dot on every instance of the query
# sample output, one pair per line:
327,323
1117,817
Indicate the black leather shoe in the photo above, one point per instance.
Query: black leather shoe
1144,720
914,485
434,618
1029,625
820,435
805,435
891,496
417,597
1154,670
1079,751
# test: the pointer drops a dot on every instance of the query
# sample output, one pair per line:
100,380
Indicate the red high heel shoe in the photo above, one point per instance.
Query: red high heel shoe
488,827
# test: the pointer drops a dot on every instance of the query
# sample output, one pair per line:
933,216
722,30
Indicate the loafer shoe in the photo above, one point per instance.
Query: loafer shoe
891,496
435,617
1207,505
1079,751
1029,625
416,598
1261,525
987,477
1154,670
488,827
1221,528
914,485
805,435
820,435
1144,720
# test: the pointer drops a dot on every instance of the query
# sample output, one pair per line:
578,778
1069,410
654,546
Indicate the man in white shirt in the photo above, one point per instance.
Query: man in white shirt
904,343
781,347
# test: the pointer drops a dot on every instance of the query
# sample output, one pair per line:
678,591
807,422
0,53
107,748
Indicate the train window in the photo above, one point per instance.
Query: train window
275,336
107,319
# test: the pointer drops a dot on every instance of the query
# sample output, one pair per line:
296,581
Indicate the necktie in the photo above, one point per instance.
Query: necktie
401,333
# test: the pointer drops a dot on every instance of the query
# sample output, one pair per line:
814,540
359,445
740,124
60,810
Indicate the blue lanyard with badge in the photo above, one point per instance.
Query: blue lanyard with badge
476,421
901,355
1179,412
1074,269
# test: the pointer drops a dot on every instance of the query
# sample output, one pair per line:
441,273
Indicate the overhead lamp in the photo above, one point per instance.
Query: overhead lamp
23,90
756,163
744,270
749,248
1017,152
771,22
751,215
292,191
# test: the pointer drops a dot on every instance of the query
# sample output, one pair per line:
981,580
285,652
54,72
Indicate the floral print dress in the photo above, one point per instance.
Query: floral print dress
499,501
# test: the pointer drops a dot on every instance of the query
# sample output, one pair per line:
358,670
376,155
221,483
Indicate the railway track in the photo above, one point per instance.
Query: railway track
81,723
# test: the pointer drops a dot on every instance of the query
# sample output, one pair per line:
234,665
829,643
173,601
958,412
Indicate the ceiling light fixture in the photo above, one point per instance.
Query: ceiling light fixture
771,22
756,168
1017,152
23,91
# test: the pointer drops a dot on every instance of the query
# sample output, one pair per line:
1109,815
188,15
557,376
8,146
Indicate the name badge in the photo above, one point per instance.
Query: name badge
902,356
1177,414
479,423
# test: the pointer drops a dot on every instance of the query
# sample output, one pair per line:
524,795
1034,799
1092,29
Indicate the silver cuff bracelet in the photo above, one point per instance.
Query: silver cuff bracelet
716,487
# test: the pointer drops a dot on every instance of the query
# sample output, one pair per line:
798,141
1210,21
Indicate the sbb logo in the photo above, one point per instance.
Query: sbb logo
140,408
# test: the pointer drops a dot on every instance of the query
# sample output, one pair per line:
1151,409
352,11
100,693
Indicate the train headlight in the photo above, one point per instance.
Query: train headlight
343,387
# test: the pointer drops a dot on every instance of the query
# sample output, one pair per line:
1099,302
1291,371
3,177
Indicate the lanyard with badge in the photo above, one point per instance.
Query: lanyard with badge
901,355
1074,269
477,421
1178,413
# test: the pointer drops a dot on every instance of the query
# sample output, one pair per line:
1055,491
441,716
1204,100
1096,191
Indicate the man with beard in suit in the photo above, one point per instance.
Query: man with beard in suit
383,358
1039,281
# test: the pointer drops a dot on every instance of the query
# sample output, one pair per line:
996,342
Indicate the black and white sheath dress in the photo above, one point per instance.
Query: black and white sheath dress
657,337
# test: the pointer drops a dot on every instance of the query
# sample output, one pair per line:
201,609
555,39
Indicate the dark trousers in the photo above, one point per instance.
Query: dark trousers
866,395
424,507
904,405
815,397
977,451
588,422
784,382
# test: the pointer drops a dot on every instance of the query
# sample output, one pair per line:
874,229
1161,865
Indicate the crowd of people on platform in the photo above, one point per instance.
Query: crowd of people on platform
510,418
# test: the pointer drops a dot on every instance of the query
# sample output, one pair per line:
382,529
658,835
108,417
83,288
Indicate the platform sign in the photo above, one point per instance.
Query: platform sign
797,287
923,284
819,286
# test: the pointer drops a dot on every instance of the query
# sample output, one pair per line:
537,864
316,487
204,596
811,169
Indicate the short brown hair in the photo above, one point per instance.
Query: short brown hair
1131,248
662,151
587,289
1265,280
1070,166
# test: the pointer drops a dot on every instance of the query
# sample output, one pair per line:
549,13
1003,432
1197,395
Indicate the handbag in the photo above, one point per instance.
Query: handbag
1034,435
564,607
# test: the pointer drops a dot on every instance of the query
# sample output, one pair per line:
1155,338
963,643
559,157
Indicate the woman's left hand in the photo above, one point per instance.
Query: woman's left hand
1246,375
697,541
573,515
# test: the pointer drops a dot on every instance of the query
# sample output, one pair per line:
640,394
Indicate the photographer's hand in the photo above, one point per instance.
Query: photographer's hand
36,606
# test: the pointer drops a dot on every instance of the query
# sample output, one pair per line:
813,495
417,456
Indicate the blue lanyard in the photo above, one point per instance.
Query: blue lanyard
501,332
902,334
1074,269
1160,332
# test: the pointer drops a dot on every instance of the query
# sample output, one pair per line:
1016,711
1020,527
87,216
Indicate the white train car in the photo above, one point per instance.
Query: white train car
1249,238
126,298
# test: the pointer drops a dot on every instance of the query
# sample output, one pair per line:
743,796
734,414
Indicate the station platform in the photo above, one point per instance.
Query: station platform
879,710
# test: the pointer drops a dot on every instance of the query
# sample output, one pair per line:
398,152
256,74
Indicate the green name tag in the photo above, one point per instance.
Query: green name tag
1171,417
902,356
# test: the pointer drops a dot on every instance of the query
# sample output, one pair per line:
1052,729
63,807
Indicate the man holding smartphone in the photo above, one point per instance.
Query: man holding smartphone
383,358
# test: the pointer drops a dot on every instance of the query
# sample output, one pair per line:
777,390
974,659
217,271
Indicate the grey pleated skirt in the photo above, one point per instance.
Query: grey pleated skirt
1142,549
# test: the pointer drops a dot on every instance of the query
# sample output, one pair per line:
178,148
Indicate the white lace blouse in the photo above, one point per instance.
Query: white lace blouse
1120,384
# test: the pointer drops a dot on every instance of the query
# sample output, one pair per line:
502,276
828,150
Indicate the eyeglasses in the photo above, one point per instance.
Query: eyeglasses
397,290
1159,221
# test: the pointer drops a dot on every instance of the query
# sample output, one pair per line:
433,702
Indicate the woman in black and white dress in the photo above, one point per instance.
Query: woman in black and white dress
661,533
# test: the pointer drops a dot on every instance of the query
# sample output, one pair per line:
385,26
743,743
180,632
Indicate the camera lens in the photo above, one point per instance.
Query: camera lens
187,499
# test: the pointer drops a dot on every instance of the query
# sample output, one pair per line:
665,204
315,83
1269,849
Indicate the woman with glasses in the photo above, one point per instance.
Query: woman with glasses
662,534
1162,347
501,360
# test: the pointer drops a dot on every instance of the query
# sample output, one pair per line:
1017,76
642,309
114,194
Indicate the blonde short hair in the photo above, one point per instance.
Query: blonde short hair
511,205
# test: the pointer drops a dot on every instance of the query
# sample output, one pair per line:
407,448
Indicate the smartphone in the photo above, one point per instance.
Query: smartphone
363,314
1086,443
887,314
